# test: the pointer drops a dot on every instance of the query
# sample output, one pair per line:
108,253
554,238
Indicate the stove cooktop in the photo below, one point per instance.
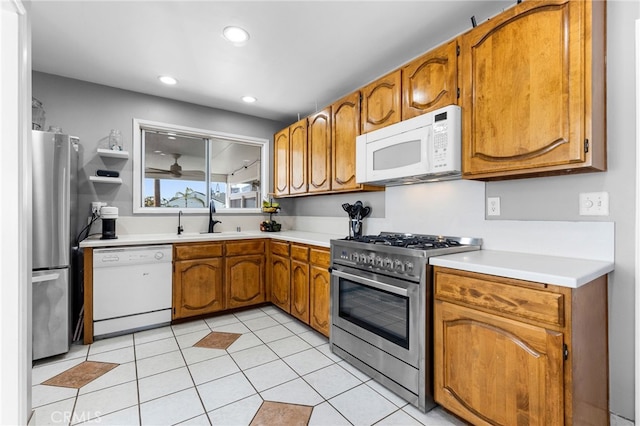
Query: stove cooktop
397,253
410,241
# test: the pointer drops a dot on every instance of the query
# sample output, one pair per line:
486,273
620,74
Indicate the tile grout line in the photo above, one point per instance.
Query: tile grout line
135,360
195,386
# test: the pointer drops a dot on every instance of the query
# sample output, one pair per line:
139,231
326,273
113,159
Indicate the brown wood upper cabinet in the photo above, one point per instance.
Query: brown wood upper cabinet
430,81
533,91
381,102
345,118
509,352
298,157
281,162
290,176
319,151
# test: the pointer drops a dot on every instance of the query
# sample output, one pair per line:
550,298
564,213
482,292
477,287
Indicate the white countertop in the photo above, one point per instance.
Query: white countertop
555,270
312,238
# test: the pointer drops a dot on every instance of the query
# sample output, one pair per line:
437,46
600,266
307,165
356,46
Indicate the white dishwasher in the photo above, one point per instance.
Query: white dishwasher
131,289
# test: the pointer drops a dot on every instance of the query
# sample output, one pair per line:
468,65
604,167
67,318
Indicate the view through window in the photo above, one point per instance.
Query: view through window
186,169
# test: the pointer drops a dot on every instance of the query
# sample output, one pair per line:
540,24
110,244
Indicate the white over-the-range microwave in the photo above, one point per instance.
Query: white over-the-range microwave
422,149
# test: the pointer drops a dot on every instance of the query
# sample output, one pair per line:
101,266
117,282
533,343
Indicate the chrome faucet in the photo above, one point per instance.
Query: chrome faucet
212,222
179,226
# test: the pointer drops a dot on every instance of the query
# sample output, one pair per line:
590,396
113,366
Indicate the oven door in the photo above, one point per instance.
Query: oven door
380,310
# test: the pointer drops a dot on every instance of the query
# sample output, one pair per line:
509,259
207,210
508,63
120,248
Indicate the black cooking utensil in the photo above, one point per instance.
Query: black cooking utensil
366,211
356,210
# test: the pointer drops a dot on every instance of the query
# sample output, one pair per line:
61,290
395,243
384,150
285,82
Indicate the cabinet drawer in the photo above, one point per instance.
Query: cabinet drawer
197,251
236,248
500,296
319,257
300,253
280,248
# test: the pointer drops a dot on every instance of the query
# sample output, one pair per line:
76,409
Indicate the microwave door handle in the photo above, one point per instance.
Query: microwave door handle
429,148
375,284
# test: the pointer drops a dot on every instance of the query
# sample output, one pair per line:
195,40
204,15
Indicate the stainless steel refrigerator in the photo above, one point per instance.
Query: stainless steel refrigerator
55,198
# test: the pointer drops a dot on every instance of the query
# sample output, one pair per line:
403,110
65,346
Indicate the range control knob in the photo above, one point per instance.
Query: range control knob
408,267
398,265
387,263
354,256
363,258
378,261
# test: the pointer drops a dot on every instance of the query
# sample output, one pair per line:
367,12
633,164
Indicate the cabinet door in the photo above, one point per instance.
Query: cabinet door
245,280
298,157
281,162
280,282
197,287
319,299
491,370
430,81
300,290
319,142
524,94
381,102
345,117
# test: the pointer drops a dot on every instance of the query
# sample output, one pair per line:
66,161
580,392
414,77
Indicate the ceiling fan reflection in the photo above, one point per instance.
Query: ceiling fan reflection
175,171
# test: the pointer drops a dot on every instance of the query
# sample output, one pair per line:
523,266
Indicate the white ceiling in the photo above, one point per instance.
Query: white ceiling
302,55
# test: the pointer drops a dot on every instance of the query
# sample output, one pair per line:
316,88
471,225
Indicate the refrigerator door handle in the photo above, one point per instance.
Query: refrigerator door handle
46,277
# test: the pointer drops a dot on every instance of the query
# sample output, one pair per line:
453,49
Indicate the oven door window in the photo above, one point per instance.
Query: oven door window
378,311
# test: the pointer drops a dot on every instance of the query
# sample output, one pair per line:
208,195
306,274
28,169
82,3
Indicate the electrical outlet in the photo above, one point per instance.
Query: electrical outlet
96,206
594,204
493,206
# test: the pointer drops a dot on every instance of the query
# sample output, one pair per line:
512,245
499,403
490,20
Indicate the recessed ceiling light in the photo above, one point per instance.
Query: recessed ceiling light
235,35
249,99
157,151
171,137
167,79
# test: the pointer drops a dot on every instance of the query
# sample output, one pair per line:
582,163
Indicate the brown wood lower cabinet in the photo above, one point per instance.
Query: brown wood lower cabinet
280,275
198,286
300,282
245,273
513,352
319,298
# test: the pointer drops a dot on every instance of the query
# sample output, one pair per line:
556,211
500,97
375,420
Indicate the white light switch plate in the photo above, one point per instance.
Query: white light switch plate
594,204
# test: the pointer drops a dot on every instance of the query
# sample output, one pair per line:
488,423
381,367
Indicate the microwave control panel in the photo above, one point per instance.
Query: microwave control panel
445,154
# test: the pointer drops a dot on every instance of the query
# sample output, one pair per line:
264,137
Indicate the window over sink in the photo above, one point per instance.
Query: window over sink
181,168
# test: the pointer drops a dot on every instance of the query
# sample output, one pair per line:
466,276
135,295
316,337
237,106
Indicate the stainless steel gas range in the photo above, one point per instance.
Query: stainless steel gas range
381,307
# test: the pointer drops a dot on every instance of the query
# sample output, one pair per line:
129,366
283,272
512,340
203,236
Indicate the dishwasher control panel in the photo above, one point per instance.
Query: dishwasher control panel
132,255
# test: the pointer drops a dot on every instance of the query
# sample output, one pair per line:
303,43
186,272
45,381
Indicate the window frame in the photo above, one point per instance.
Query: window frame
138,166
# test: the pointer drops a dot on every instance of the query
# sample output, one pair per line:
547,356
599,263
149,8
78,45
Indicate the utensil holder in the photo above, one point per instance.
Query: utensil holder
356,228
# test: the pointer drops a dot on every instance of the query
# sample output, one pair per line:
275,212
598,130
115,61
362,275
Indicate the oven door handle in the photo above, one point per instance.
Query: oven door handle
375,284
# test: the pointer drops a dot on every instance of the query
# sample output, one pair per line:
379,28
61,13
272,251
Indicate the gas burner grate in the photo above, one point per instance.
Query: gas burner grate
410,241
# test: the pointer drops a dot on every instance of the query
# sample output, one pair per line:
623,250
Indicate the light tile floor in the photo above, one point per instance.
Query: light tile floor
162,379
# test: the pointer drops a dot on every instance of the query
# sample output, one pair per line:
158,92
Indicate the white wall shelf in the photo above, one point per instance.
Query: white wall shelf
113,154
103,179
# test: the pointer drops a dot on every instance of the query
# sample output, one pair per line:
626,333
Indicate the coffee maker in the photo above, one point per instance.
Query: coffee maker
108,216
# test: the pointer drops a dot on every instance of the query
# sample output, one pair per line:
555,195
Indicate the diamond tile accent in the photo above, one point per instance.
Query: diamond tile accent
271,413
81,374
218,340
260,366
